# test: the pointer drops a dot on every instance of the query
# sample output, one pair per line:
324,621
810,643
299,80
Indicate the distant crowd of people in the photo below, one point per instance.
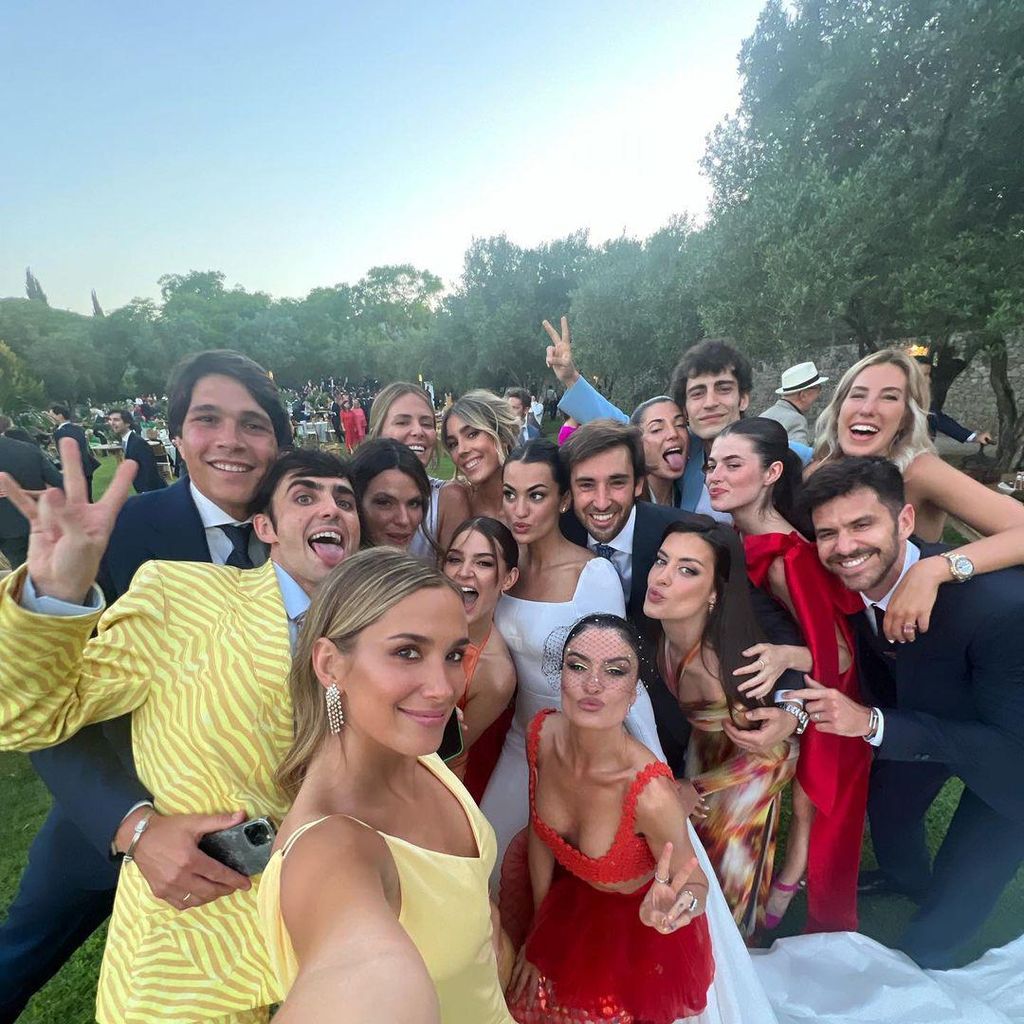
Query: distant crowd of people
330,731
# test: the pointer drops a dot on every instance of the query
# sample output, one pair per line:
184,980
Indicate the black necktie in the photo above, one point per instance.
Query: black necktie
605,551
239,537
879,620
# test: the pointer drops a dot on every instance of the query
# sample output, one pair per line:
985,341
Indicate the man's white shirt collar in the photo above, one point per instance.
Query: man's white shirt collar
913,555
623,540
210,514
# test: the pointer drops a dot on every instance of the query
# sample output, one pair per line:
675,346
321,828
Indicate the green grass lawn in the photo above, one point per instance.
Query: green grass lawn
68,998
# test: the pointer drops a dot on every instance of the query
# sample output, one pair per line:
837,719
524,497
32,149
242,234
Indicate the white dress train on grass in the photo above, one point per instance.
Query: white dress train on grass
847,978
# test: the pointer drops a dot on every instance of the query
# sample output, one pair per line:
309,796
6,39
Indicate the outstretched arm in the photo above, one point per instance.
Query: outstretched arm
998,517
53,680
357,965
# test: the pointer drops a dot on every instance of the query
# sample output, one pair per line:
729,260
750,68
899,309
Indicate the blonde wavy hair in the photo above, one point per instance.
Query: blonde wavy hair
354,596
911,439
386,397
485,411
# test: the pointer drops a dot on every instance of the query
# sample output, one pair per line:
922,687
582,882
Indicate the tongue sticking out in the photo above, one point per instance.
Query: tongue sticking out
328,553
674,461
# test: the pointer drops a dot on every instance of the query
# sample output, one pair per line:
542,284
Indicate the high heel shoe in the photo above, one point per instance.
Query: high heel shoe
779,899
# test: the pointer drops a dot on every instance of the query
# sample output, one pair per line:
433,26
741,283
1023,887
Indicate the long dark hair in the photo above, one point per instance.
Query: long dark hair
378,456
770,442
731,626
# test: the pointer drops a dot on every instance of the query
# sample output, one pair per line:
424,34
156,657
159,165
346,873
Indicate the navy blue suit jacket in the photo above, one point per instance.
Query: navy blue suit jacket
92,775
942,423
955,696
89,461
148,477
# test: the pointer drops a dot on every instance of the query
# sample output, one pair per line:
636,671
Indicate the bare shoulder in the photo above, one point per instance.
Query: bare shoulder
925,467
333,868
659,797
454,494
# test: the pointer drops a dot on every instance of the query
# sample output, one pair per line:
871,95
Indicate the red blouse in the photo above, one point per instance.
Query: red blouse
628,857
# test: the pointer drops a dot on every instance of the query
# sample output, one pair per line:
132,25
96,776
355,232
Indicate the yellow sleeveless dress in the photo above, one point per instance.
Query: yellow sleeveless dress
445,911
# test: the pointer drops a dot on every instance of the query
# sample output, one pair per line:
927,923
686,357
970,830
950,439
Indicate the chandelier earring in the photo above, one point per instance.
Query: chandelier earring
335,716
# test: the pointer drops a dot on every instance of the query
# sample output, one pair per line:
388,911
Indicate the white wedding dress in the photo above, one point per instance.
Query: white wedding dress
847,978
526,626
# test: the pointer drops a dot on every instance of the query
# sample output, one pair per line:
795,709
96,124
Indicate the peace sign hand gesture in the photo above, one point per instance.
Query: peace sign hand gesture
559,353
669,905
67,534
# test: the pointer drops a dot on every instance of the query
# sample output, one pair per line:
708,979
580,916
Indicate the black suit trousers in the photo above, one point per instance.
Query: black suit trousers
976,861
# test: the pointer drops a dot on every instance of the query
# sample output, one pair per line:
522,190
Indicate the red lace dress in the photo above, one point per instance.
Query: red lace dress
598,961
833,770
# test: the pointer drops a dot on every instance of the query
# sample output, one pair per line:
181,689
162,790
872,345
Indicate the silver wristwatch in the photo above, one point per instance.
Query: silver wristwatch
961,568
797,711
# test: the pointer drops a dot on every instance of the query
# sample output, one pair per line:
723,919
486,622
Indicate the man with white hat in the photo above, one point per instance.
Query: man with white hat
801,385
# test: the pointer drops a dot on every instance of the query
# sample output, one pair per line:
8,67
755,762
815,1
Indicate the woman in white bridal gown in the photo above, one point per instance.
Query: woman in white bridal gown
559,582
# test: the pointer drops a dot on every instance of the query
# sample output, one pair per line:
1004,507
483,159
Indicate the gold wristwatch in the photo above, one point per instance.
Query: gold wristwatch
961,568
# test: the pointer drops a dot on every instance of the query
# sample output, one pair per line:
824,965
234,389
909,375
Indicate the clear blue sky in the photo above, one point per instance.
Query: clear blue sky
296,145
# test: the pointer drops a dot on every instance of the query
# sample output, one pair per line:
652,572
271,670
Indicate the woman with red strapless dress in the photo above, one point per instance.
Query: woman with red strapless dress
753,475
619,932
482,560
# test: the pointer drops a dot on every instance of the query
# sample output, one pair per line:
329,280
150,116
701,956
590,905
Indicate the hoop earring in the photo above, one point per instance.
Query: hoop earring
335,716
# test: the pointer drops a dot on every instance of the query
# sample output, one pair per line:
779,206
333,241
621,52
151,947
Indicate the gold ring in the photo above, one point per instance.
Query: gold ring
186,897
661,881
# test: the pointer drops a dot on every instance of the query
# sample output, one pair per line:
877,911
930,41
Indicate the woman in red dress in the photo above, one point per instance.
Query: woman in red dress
619,932
753,475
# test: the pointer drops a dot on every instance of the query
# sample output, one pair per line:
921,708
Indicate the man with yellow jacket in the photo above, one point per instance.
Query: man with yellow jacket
199,655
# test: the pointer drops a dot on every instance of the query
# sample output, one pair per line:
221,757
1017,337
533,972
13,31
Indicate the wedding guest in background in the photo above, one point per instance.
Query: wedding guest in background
801,388
33,471
529,427
60,416
137,450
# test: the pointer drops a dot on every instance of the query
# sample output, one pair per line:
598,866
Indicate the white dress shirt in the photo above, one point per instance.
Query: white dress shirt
622,559
213,518
913,554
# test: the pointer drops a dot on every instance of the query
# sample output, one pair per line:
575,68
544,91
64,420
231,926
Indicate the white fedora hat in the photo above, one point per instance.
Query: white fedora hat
800,378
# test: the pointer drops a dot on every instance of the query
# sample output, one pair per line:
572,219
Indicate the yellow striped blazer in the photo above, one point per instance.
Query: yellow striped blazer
199,654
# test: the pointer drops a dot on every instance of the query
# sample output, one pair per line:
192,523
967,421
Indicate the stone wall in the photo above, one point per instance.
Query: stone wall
970,400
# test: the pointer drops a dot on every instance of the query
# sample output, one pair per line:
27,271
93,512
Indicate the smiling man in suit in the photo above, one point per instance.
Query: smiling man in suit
228,423
948,704
136,448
